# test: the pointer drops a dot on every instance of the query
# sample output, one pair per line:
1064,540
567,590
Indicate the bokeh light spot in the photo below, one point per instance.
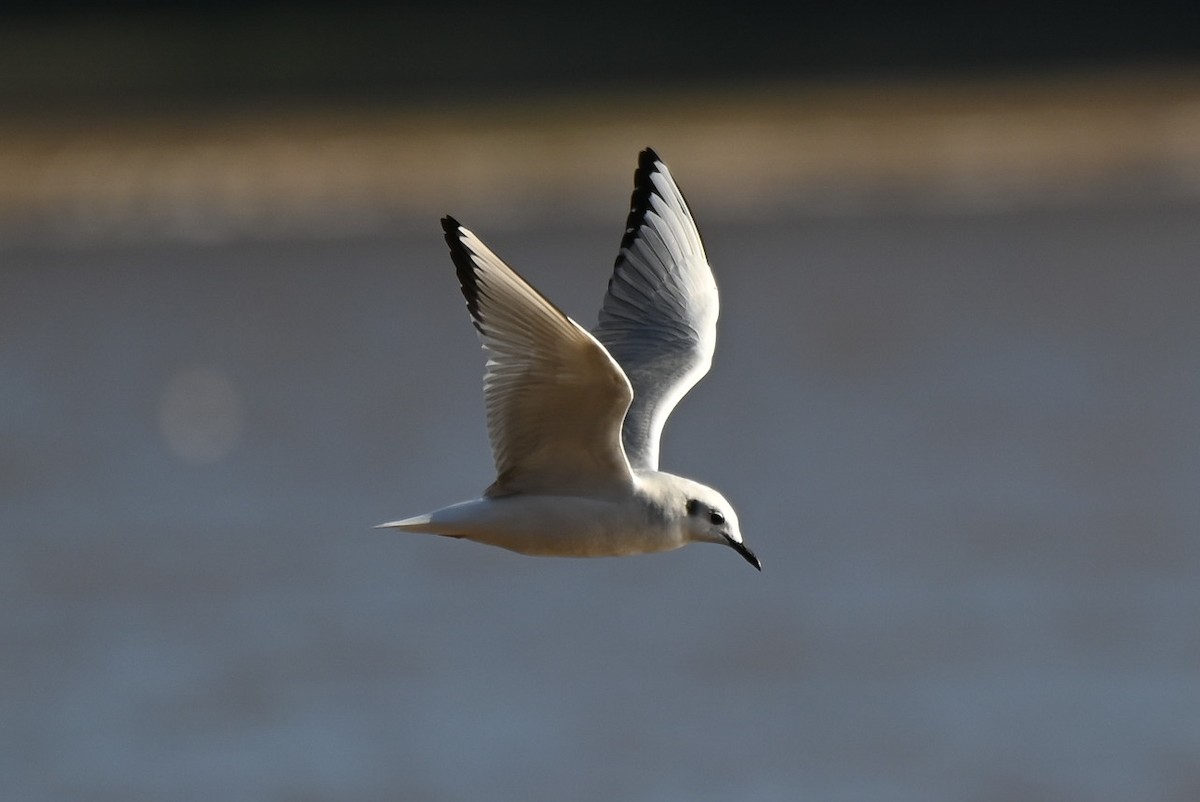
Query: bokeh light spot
200,415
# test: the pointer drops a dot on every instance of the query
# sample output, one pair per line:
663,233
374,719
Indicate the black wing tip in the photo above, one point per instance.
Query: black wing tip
649,163
639,202
464,266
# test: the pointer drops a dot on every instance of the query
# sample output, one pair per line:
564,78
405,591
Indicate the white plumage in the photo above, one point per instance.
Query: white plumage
575,419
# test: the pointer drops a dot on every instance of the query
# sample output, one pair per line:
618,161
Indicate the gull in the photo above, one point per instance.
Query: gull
575,418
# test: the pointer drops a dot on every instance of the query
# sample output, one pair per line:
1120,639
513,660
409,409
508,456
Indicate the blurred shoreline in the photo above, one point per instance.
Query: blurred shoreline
776,150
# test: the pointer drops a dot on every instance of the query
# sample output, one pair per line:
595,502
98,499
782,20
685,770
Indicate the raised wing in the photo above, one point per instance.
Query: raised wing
659,317
555,398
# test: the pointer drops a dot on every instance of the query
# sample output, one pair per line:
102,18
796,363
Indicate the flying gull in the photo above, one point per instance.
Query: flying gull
575,418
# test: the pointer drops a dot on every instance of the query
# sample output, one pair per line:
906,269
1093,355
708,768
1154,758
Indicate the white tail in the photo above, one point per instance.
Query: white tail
417,523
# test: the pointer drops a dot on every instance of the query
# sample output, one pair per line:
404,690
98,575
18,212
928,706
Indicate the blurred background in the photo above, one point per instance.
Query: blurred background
956,401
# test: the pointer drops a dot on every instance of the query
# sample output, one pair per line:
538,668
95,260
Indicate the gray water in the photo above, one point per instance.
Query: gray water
966,449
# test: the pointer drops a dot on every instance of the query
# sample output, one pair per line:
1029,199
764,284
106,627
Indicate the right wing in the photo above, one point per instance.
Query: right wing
659,317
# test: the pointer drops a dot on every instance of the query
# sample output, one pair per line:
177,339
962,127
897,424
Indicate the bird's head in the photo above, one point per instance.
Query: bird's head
709,518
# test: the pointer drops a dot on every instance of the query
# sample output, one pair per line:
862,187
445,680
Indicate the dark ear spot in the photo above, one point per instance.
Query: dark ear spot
693,506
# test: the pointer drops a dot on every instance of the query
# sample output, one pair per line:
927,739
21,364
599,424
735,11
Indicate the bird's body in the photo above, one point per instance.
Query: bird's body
637,522
575,417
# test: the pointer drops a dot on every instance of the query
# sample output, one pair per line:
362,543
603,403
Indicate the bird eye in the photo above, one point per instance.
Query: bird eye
716,518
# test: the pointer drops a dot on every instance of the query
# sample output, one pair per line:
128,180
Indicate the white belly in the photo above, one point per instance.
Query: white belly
557,526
